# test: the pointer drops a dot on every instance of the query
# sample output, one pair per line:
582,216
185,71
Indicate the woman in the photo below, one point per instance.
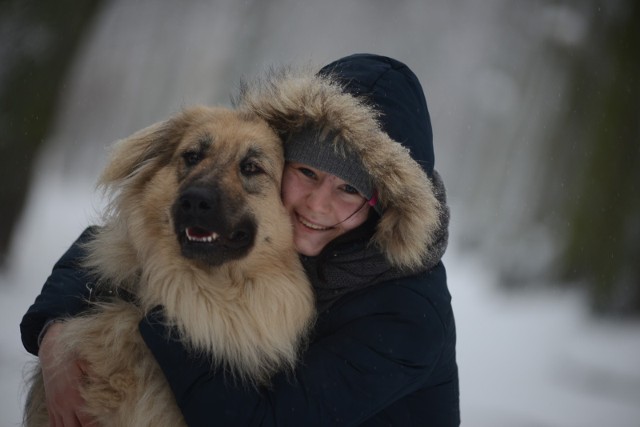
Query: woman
370,222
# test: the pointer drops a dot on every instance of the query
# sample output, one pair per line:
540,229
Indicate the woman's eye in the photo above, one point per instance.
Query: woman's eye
350,189
249,167
307,172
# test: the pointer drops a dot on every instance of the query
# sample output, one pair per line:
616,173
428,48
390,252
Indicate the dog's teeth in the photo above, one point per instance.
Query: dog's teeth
209,238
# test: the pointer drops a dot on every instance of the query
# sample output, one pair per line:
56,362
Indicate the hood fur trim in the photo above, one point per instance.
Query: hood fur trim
291,99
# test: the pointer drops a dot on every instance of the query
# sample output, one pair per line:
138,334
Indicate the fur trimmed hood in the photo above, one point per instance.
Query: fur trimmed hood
412,230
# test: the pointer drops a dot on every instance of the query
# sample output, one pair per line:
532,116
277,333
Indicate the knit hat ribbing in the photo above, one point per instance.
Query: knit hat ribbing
320,151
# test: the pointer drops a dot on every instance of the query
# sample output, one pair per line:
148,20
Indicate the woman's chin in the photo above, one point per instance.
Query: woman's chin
304,248
309,242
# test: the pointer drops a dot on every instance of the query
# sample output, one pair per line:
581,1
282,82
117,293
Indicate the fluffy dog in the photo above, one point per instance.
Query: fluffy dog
197,226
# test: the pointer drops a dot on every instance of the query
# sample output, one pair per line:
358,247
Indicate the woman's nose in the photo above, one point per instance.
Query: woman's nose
319,199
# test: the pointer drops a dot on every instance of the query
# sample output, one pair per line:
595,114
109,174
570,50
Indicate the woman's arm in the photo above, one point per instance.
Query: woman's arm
343,378
65,293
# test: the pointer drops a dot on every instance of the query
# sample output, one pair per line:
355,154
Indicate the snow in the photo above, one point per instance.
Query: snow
526,359
56,213
537,358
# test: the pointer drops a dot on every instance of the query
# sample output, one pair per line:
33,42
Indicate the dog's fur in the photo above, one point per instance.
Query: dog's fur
239,295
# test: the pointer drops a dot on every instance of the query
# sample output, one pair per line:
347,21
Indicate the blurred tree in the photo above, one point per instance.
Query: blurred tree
595,156
39,40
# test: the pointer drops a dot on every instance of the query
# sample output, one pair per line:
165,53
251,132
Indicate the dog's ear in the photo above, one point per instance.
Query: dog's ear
142,151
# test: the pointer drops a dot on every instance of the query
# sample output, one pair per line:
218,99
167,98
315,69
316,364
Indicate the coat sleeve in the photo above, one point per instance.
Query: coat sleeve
65,293
343,378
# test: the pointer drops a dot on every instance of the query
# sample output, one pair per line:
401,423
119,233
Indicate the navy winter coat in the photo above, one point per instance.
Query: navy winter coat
383,356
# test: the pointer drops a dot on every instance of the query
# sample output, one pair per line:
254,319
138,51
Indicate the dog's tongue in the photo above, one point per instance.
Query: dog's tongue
200,234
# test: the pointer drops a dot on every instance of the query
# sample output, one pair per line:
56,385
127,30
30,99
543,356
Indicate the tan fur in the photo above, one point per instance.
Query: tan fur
250,314
290,99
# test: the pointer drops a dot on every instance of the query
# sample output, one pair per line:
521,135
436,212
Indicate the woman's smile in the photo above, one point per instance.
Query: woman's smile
309,224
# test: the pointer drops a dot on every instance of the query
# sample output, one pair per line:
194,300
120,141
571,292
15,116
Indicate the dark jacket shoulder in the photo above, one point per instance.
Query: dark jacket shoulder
408,320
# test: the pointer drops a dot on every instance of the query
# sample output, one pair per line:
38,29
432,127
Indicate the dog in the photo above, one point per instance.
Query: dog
196,225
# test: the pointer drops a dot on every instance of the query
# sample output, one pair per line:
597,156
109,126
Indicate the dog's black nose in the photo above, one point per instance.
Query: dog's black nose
197,201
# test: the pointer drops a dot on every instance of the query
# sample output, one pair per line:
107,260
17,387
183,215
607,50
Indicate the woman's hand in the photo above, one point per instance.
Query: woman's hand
62,379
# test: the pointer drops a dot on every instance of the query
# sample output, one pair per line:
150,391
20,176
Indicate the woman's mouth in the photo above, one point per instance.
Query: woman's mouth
304,221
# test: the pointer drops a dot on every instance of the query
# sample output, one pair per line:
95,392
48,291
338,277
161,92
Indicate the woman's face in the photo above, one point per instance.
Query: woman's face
322,206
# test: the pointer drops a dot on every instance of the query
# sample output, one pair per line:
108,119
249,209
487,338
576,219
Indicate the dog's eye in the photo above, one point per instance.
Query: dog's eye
192,158
250,167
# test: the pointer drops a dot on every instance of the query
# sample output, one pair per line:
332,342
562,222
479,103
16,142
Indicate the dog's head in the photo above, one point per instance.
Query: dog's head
197,225
203,185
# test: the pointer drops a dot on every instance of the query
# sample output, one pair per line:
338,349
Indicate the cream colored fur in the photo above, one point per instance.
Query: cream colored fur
250,315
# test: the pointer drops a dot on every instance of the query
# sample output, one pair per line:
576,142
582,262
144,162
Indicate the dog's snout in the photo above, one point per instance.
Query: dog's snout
213,225
197,201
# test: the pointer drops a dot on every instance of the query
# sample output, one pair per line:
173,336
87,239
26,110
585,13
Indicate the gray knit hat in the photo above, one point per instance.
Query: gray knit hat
318,150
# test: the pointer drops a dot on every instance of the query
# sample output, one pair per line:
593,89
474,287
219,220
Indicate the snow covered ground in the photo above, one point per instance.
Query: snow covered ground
526,360
538,359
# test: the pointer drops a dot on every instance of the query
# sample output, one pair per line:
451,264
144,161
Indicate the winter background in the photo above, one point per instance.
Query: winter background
534,356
